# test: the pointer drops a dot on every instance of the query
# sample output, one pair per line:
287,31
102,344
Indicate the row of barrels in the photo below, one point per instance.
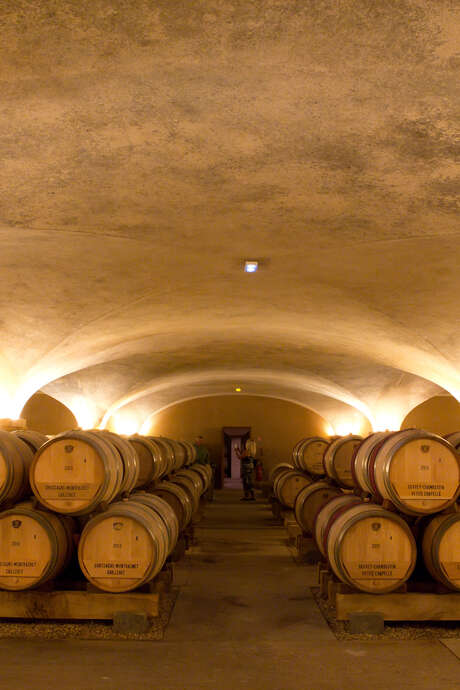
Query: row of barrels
76,471
367,546
119,549
416,470
374,549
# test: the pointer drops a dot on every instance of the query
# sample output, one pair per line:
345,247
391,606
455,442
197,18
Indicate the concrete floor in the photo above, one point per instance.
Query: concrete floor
244,619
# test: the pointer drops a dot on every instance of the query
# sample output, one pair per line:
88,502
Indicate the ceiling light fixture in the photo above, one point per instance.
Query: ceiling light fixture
251,266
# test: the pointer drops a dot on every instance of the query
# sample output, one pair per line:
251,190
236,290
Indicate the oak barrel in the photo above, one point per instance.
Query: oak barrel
152,463
308,455
288,484
441,549
178,450
191,452
128,456
35,546
34,439
76,471
454,439
338,460
325,514
178,498
15,460
167,451
124,547
362,458
191,484
279,469
419,472
371,548
203,474
164,512
309,502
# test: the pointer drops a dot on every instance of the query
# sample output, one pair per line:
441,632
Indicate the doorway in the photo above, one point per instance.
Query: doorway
233,437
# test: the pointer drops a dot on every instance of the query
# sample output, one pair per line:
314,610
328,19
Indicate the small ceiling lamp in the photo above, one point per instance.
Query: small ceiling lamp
251,266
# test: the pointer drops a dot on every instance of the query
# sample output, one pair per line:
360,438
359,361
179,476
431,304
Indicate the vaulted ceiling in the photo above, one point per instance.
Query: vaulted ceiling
147,148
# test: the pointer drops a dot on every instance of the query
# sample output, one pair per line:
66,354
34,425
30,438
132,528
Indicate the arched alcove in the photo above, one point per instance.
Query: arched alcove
440,414
48,415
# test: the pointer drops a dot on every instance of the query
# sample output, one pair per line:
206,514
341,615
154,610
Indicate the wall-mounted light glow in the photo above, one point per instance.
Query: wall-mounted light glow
389,419
238,390
350,425
251,266
7,407
125,423
84,412
147,427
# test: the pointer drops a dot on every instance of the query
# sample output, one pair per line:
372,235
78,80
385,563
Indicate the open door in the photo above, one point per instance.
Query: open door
232,437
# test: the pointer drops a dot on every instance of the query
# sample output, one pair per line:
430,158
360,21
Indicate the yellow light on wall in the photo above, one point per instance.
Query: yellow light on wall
148,426
238,390
125,423
389,419
7,407
351,425
84,412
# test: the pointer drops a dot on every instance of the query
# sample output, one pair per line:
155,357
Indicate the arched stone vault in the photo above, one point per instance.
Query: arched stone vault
148,148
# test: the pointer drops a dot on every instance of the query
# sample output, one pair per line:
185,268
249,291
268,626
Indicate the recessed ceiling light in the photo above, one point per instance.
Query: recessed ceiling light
251,266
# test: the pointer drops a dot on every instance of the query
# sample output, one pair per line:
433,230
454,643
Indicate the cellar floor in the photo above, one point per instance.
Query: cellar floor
245,618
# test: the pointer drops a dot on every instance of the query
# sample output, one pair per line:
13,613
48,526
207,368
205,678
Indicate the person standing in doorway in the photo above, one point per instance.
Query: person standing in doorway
203,457
247,472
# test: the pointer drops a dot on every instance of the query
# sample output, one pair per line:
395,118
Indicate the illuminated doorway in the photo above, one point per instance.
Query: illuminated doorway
233,437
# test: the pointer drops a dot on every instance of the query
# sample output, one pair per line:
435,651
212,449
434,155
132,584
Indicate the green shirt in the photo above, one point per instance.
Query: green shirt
202,455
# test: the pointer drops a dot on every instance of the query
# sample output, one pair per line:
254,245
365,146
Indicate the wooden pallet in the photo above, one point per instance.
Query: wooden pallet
85,602
75,605
408,603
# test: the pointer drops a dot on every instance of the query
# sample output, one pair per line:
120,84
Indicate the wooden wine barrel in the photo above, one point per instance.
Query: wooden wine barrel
203,474
178,498
15,460
308,455
152,464
419,472
362,457
338,460
128,456
323,518
441,549
167,451
180,454
164,512
124,547
371,548
205,471
454,439
34,439
191,452
279,469
309,502
288,484
35,546
190,485
76,471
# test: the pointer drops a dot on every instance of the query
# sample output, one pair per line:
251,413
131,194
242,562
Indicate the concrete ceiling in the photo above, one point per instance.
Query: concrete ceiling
148,148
